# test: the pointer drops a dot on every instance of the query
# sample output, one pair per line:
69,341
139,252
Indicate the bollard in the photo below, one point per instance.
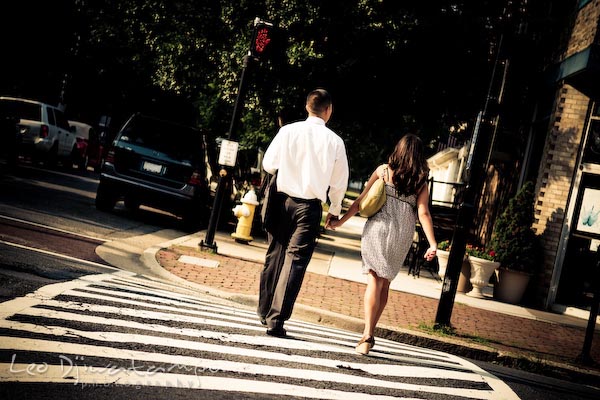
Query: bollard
245,214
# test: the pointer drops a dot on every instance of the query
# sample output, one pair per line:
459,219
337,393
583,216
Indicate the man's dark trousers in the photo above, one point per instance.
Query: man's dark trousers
291,245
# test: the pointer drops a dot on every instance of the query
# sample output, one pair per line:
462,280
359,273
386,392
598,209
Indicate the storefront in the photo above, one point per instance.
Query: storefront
568,183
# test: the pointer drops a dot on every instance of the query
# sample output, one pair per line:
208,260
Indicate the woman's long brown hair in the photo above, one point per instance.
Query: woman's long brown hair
409,165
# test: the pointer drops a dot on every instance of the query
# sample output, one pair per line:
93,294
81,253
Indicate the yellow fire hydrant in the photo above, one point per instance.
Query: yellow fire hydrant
245,214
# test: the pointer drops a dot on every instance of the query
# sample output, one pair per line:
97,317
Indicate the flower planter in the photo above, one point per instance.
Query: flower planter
481,272
511,285
442,256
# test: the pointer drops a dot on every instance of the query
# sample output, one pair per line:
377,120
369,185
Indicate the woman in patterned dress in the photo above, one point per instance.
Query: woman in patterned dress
388,235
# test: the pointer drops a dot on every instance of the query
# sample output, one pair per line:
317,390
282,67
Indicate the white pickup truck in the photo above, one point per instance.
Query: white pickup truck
44,131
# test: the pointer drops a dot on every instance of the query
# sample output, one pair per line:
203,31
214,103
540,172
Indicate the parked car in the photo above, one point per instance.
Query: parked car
98,145
44,130
160,164
83,132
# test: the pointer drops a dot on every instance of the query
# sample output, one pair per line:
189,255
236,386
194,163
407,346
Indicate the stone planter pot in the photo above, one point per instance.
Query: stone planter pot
464,284
481,272
511,285
442,256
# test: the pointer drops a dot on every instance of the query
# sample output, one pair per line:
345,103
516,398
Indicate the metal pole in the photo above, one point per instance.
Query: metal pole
475,171
459,242
224,175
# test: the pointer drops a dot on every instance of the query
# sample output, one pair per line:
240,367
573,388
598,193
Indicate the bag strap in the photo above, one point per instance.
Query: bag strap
387,173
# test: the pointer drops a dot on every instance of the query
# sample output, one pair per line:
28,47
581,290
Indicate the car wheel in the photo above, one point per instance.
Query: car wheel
52,156
83,163
74,158
131,203
106,198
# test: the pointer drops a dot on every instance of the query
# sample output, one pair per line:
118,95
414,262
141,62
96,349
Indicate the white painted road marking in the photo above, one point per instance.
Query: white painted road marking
147,315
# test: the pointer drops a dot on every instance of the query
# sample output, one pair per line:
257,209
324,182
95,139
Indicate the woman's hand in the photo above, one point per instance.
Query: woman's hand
430,253
333,223
330,222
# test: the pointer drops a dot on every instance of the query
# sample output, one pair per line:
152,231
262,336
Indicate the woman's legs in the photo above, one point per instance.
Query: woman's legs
376,296
383,298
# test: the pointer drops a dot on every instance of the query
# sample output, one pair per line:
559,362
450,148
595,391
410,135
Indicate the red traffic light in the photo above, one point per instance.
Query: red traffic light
262,38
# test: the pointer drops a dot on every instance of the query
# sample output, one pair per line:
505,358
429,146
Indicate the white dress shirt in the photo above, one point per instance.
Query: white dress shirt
311,159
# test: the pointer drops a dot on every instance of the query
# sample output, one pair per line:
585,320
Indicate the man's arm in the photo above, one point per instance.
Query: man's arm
339,182
270,161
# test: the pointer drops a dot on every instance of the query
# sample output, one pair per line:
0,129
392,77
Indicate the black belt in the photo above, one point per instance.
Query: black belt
300,200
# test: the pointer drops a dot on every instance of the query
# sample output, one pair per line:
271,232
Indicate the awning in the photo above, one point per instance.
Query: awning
580,70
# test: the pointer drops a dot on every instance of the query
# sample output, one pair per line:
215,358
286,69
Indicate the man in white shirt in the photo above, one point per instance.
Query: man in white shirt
312,165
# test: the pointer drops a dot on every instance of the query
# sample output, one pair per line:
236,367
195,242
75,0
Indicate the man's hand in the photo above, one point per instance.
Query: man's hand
331,219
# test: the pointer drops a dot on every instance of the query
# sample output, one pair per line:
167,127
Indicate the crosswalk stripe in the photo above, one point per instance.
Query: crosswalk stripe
217,319
160,301
302,326
222,365
117,337
50,291
55,374
391,370
131,283
289,344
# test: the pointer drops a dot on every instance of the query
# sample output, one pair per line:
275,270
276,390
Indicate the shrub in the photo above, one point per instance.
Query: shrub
516,244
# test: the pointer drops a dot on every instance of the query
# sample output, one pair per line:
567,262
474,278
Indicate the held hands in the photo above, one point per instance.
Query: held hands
332,222
430,253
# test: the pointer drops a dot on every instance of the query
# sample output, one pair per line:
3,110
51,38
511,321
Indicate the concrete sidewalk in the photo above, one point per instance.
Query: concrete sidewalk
333,289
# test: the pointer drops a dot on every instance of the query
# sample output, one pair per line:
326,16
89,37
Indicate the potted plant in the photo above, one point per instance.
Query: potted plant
483,264
443,251
516,245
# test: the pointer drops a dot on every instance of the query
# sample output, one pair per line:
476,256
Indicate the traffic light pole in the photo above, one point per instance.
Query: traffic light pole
224,173
259,47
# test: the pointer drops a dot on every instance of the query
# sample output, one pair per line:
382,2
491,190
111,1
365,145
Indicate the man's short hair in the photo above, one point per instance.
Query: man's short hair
318,100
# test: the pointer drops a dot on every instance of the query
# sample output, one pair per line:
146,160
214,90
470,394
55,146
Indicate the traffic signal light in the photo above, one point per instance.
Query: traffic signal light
262,39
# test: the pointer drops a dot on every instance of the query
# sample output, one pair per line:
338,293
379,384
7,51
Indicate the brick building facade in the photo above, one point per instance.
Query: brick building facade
565,167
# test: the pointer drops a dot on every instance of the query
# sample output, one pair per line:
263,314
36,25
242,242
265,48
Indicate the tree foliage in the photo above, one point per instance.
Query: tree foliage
392,66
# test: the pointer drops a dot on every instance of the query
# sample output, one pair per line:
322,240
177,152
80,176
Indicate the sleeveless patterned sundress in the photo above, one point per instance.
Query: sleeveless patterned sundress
388,235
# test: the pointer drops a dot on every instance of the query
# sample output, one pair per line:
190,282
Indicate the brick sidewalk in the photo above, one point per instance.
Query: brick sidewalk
536,340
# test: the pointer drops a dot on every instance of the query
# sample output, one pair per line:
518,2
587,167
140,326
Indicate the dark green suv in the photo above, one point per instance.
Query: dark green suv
160,164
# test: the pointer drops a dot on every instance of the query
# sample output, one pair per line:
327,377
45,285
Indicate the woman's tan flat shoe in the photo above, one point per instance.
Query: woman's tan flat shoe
365,345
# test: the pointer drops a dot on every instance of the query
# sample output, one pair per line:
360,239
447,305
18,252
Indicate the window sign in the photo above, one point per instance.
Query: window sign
586,218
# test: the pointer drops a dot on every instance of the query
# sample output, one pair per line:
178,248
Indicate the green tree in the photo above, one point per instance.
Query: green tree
185,58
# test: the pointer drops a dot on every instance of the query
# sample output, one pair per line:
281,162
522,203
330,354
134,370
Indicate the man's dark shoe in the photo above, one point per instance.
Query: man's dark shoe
277,331
263,321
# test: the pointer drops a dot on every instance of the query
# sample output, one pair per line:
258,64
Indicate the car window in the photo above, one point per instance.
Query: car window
61,120
177,141
50,112
20,109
